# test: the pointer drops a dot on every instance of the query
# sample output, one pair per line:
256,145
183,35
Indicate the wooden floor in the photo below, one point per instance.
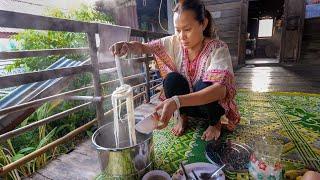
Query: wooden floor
82,163
298,78
262,61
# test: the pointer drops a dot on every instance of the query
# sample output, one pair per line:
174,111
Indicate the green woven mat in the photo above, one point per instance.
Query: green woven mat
294,118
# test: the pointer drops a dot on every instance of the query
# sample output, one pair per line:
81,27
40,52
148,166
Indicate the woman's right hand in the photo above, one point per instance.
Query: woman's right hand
120,48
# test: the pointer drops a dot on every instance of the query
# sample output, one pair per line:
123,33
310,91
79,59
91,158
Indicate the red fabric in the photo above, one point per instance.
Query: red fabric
164,61
224,77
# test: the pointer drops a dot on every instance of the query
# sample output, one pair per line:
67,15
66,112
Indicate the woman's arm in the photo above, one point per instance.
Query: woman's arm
210,94
139,48
135,47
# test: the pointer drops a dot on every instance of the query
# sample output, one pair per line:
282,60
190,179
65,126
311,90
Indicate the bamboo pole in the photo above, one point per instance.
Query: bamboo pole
41,101
29,157
39,123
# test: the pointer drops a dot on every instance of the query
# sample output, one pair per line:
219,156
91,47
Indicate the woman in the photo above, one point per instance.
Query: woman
197,71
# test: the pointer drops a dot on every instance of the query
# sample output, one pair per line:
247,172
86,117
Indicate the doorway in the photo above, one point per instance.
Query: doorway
264,26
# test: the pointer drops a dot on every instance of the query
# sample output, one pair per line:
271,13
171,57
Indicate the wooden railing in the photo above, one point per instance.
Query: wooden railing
27,21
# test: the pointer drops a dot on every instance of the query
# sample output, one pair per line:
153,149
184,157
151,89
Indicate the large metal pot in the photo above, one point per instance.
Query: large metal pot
124,162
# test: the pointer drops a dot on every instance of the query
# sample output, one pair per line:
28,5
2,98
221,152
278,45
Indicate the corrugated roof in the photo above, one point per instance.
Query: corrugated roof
35,7
40,7
10,30
32,91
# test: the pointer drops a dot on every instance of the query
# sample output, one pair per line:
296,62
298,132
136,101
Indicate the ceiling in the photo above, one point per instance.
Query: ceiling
261,8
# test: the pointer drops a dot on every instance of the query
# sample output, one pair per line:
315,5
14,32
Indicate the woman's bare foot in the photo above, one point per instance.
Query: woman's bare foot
212,132
181,125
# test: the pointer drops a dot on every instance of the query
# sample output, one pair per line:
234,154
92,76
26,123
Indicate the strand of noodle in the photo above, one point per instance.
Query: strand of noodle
115,120
124,92
130,116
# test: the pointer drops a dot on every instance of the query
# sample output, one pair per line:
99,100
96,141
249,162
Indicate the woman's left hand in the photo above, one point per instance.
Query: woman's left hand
168,107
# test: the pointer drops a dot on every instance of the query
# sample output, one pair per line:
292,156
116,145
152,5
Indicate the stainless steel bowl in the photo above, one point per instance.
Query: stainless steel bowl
125,161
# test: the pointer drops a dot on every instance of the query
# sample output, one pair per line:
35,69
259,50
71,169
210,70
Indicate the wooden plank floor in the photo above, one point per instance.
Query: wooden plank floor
262,61
82,163
297,78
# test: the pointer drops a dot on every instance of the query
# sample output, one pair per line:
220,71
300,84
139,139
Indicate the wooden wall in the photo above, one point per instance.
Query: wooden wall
291,38
228,16
310,49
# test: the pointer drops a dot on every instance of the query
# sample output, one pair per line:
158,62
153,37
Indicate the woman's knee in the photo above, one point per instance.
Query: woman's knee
201,85
173,76
175,84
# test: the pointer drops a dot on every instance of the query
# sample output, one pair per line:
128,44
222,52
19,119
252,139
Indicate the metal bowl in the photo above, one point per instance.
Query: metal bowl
235,155
125,161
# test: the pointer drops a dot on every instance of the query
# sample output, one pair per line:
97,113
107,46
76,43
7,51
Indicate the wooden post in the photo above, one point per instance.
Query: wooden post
242,32
96,77
301,29
146,69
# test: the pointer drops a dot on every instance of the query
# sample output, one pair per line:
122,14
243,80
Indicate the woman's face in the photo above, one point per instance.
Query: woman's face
188,29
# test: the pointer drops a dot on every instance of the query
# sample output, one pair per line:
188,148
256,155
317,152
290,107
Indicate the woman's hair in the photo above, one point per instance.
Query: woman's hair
200,14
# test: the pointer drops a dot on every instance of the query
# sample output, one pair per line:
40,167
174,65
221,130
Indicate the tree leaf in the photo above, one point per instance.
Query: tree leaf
89,133
26,150
17,157
47,138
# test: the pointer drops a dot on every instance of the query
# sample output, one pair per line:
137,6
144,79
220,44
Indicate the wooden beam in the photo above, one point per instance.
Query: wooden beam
25,78
96,77
42,52
230,40
141,33
228,27
229,20
226,13
29,21
224,6
229,34
215,2
233,52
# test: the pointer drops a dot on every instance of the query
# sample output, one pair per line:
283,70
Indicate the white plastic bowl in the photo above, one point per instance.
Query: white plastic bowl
156,174
146,125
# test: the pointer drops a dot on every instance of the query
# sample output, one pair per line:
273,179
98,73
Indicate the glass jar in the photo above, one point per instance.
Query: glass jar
265,161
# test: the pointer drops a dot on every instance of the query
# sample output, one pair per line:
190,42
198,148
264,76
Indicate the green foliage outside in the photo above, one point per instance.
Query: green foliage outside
30,141
33,39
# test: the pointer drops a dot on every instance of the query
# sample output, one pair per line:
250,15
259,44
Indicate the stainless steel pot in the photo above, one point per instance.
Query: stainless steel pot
124,162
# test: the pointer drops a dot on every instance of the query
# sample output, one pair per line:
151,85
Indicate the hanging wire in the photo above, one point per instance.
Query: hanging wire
159,15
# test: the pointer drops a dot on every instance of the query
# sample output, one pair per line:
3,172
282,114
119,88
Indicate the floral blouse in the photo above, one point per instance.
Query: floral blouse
212,64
